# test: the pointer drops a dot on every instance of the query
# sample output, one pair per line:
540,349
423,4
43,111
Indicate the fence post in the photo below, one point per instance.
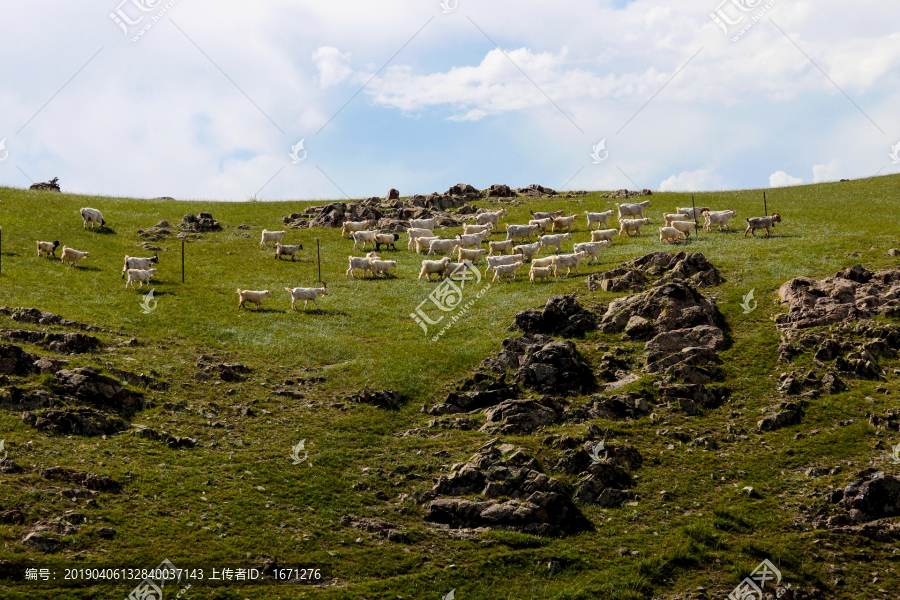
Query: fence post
182,261
319,259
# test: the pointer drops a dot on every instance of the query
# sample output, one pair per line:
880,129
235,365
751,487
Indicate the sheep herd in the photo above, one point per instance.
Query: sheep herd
503,257
506,257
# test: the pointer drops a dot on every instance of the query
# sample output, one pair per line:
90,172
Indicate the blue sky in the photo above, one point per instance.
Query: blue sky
208,102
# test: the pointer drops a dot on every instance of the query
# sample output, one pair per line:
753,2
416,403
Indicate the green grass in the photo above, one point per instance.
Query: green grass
707,534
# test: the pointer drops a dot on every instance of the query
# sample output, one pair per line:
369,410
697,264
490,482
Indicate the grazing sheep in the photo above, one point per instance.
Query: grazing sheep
547,215
141,275
492,217
568,262
473,240
566,222
541,273
718,217
554,240
520,232
253,297
365,237
633,210
306,294
48,248
599,218
631,225
684,227
469,228
133,262
603,234
350,226
423,223
592,249
693,213
670,234
92,215
502,270
496,261
434,266
416,233
542,263
528,250
424,243
282,250
443,246
271,236
386,239
72,256
754,223
544,224
383,267
495,248
460,268
672,217
360,262
471,255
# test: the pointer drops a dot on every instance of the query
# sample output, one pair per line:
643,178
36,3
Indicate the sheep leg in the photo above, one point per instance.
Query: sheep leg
316,302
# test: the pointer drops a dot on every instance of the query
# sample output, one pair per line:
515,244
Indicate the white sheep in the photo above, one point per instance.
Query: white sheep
542,263
470,255
473,240
592,249
599,218
754,223
566,222
384,267
541,273
283,250
544,224
92,215
434,266
672,217
424,243
718,217
468,228
423,223
306,294
520,232
360,262
633,210
670,234
548,241
568,262
133,262
72,256
693,213
496,261
364,237
629,226
528,250
271,236
443,246
48,248
140,275
495,248
502,270
684,227
603,234
253,297
350,226
547,215
492,217
416,233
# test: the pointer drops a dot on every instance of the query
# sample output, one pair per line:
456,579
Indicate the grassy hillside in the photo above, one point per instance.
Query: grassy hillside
237,497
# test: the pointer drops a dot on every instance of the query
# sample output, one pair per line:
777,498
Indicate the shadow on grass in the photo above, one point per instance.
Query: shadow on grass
318,312
104,230
81,268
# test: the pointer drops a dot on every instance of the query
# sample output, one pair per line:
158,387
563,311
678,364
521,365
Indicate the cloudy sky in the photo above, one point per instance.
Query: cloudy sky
209,100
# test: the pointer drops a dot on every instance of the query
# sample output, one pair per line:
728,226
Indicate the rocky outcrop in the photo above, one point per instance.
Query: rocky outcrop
62,343
15,361
389,399
85,384
668,307
517,417
787,413
498,190
74,421
689,398
627,194
200,223
46,186
618,407
562,316
657,268
42,317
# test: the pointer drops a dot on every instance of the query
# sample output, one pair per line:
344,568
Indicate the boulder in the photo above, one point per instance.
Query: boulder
15,361
88,386
46,186
516,417
638,326
788,413
562,316
75,421
701,336
640,272
556,369
670,306
393,194
389,399
63,343
201,223
875,496
499,190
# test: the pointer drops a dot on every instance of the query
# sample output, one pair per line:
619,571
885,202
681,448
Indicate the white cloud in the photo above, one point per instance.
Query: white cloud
686,181
332,66
782,179
829,172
